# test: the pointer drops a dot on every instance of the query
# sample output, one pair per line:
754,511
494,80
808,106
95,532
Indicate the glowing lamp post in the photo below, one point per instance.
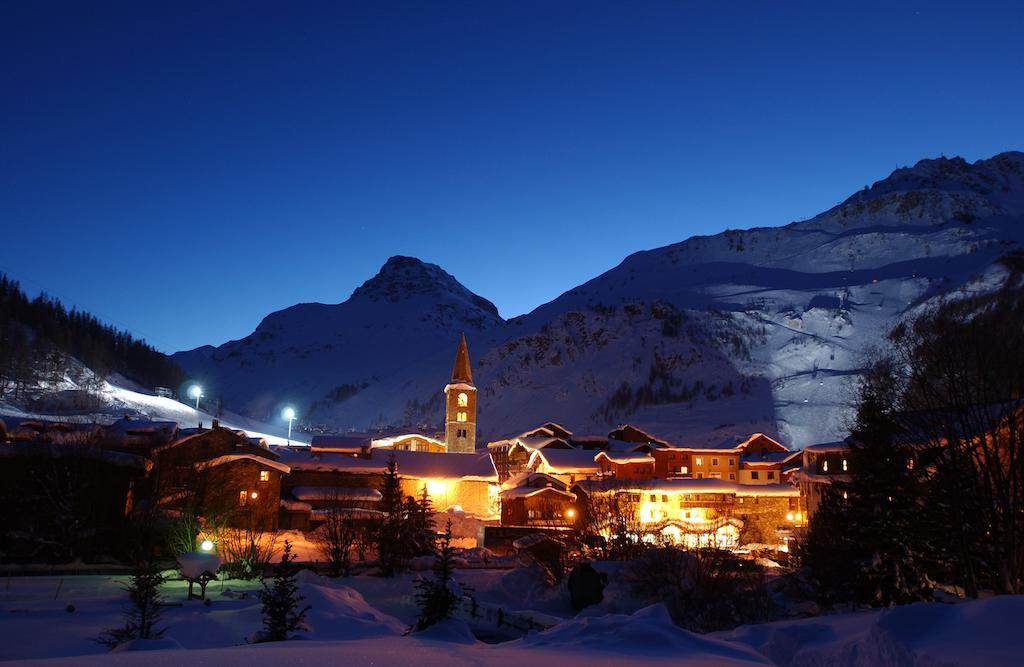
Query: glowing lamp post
196,392
289,414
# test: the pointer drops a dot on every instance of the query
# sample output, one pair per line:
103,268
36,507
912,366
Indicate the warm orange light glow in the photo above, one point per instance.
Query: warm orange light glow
254,495
789,516
570,512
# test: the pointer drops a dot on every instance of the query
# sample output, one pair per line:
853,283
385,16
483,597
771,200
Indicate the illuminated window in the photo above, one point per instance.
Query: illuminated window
264,475
684,469
460,417
243,498
463,399
824,466
845,467
698,460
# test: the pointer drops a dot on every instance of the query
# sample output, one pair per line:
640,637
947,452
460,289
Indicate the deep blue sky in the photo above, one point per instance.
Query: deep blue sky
183,171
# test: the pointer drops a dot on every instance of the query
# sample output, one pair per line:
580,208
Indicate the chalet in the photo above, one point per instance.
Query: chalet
705,511
626,465
219,472
537,499
568,465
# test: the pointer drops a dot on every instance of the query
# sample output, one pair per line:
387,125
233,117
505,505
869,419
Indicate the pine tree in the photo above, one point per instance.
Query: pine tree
144,613
866,544
391,530
420,525
281,612
439,596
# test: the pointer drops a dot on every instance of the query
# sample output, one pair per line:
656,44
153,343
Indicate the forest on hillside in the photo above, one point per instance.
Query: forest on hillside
40,341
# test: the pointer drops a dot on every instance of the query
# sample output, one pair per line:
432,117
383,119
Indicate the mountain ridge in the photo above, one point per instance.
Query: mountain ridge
667,337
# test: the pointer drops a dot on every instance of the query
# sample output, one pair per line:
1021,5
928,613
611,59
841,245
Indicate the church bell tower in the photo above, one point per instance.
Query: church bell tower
460,405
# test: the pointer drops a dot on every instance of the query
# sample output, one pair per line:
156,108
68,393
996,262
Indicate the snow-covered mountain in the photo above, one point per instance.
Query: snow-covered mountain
763,329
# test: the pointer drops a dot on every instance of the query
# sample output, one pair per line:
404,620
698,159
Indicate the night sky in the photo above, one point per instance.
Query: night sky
183,170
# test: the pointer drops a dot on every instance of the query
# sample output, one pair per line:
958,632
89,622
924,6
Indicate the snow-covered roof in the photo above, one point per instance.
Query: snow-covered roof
767,458
391,440
803,475
530,491
417,465
695,486
564,460
625,457
534,479
336,493
352,444
231,458
828,447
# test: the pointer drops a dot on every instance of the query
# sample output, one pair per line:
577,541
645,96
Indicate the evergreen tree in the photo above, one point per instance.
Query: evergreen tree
438,597
866,544
144,613
391,530
420,525
281,612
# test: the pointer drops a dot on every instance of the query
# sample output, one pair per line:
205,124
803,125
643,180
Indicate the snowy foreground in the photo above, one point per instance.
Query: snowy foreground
361,621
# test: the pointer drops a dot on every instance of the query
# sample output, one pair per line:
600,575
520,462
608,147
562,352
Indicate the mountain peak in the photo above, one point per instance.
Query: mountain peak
999,174
404,277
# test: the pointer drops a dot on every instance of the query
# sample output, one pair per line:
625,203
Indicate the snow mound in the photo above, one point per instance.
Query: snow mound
339,612
648,632
164,644
452,630
924,635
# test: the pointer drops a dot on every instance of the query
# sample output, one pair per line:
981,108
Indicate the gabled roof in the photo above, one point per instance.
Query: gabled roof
461,372
631,433
240,437
564,461
535,480
625,457
350,444
768,458
231,458
530,492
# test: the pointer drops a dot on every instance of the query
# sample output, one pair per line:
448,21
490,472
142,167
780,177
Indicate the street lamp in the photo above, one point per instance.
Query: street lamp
289,414
196,392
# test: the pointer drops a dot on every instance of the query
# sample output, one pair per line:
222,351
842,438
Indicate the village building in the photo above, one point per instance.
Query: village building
411,442
221,473
823,464
696,512
466,483
537,499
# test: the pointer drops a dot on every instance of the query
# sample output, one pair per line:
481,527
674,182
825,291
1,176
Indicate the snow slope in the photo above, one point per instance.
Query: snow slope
764,329
347,625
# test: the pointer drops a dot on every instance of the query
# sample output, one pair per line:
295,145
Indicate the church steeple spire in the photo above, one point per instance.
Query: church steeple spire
460,405
461,371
